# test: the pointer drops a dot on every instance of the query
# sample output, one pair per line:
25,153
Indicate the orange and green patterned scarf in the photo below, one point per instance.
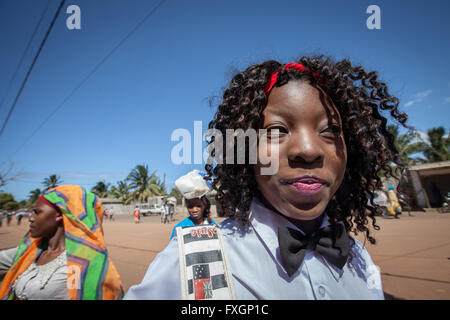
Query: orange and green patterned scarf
91,275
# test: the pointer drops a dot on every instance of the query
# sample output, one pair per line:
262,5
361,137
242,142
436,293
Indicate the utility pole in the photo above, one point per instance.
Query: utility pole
164,181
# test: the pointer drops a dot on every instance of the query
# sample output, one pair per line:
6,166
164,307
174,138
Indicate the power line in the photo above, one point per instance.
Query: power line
31,67
24,54
90,74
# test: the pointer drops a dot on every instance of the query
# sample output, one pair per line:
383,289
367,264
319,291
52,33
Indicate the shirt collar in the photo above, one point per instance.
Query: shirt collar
265,222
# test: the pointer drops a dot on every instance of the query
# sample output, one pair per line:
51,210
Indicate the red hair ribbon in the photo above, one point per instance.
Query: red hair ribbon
51,205
297,66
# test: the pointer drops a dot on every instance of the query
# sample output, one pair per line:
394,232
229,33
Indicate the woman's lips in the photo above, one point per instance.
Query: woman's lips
306,185
306,188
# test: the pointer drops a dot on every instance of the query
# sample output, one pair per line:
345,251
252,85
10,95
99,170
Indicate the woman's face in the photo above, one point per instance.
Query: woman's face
196,208
311,147
43,222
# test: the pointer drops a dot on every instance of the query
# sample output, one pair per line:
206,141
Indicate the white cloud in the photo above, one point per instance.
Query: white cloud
418,97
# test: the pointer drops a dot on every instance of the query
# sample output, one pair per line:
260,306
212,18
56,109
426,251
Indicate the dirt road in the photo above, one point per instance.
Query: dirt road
412,252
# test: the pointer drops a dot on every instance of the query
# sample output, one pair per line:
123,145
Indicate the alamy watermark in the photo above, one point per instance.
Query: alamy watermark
74,20
374,20
240,147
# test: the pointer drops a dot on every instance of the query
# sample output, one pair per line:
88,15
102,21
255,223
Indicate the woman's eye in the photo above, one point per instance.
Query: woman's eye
334,130
276,131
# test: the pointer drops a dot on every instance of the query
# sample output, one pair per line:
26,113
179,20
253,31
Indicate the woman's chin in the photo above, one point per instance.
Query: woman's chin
33,234
303,211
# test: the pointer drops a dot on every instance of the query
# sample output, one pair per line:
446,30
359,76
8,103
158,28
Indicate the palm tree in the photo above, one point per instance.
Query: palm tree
52,181
406,144
101,189
34,195
121,192
144,184
438,146
176,194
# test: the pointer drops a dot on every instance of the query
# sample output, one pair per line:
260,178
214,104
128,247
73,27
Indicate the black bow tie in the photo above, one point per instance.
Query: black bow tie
332,242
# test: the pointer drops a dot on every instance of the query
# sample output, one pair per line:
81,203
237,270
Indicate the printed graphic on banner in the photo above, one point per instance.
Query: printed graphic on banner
203,268
202,282
206,233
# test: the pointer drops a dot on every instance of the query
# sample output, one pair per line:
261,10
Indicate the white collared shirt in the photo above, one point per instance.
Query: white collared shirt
257,269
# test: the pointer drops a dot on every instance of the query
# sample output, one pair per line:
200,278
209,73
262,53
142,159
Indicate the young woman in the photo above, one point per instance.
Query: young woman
332,144
198,206
63,255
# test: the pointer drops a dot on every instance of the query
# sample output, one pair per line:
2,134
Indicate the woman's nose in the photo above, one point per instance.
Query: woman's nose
305,147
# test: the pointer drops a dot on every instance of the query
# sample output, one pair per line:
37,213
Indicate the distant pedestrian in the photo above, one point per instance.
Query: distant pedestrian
20,215
9,218
137,215
111,214
171,211
165,213
404,201
394,207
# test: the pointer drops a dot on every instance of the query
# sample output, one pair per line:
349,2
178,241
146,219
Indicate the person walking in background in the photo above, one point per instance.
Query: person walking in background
106,214
404,202
165,212
9,218
171,210
394,207
137,215
111,214
19,216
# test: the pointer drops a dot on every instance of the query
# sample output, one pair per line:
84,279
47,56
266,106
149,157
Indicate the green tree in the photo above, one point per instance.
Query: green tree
176,194
34,195
52,181
144,184
121,192
7,202
438,146
101,189
407,144
11,206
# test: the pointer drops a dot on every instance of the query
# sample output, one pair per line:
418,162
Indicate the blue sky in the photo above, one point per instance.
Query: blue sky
162,77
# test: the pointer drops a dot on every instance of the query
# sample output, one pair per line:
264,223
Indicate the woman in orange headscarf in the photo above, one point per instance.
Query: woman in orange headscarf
137,215
63,255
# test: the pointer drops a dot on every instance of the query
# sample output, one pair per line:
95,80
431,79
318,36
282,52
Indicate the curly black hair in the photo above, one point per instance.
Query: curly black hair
361,100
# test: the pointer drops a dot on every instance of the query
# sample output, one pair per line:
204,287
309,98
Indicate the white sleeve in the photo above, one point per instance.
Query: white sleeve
370,272
7,258
162,279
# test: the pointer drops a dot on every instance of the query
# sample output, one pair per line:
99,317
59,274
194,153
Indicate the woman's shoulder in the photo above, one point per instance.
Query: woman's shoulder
184,223
359,254
7,258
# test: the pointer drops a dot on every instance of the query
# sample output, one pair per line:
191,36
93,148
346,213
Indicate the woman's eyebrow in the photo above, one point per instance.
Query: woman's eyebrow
281,112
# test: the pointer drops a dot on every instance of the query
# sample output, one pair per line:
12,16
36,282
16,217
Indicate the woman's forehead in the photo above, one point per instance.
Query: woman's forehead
296,97
42,206
194,201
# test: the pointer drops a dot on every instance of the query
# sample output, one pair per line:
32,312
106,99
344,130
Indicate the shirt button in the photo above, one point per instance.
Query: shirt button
322,291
